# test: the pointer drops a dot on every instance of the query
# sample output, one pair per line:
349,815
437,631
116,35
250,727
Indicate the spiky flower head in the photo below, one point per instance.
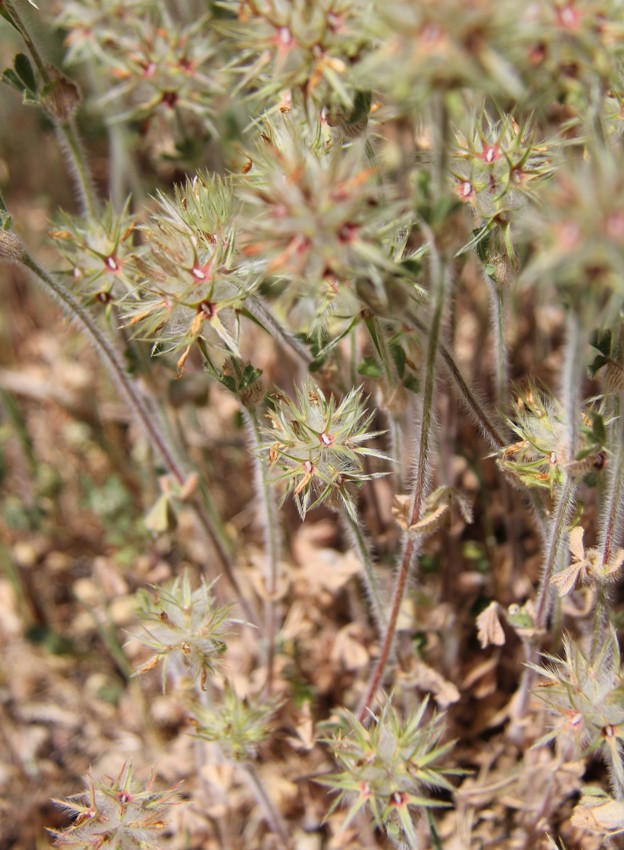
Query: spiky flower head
90,24
577,235
585,693
432,46
497,165
152,59
542,456
97,251
188,283
237,724
389,767
316,446
298,50
575,51
185,628
116,814
313,212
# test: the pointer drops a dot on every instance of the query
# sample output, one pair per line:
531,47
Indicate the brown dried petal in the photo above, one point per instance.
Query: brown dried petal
489,626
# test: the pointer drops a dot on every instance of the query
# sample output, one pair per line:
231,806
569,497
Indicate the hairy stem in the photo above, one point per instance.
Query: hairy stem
610,525
74,152
557,532
489,428
261,312
66,130
497,310
269,519
370,579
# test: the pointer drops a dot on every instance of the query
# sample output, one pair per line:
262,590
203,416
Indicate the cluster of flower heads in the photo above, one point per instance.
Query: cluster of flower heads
317,214
389,767
575,50
326,53
116,814
429,46
316,446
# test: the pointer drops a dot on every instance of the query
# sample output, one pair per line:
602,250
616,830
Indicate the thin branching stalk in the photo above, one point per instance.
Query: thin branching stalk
75,155
261,312
439,281
556,539
571,381
611,523
490,429
411,547
269,519
370,579
397,446
501,365
496,294
272,815
557,532
137,404
113,363
66,129
124,177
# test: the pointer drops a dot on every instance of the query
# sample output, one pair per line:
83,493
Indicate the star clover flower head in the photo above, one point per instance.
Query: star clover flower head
316,444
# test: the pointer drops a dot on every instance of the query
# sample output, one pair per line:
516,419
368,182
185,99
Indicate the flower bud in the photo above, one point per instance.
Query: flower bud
61,96
11,247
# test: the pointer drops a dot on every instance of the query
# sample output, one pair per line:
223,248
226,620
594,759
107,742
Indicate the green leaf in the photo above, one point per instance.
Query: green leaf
372,329
229,382
599,361
398,355
24,70
317,364
11,79
6,222
7,17
30,99
370,367
602,340
598,430
361,107
414,267
55,643
250,376
412,384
